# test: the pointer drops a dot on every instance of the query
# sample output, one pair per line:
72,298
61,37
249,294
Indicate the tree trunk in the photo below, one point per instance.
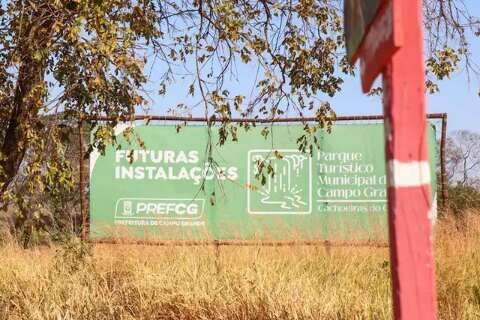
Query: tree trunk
465,173
23,116
24,108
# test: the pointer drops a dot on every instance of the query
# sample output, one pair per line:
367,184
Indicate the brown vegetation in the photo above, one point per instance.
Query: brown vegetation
141,282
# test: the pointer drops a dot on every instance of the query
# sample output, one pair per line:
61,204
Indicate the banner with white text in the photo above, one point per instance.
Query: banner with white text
172,188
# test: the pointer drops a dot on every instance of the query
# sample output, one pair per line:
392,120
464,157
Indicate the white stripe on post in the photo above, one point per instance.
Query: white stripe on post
408,174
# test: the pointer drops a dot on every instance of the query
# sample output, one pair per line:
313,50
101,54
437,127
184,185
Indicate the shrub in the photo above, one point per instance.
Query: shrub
463,198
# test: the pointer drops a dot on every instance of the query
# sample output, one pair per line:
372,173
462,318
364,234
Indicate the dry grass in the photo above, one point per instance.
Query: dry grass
140,282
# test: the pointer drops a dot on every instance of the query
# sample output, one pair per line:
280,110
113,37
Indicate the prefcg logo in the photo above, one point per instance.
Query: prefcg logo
159,209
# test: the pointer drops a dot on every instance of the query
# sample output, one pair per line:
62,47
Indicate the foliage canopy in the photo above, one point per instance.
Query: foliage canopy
62,60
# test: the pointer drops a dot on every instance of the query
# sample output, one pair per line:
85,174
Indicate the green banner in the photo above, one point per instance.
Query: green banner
168,190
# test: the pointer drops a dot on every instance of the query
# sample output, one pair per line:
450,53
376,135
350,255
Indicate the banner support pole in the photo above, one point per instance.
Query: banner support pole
443,168
82,181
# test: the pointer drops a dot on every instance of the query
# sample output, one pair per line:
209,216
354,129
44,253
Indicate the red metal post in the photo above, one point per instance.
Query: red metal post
408,175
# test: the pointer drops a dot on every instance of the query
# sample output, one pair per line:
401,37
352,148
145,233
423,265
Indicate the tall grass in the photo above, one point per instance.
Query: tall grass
141,282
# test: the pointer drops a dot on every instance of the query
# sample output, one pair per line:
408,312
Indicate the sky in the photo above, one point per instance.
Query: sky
458,97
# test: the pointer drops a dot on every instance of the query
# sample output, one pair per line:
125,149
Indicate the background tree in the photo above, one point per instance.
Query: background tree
70,59
463,158
463,170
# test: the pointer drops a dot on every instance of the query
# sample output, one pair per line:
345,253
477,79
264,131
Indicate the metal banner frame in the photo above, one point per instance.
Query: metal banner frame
82,179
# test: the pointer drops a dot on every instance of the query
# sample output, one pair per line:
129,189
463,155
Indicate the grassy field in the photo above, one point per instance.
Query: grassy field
141,282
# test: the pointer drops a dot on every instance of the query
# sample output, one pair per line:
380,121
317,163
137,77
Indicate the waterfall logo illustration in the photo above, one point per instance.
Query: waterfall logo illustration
289,191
